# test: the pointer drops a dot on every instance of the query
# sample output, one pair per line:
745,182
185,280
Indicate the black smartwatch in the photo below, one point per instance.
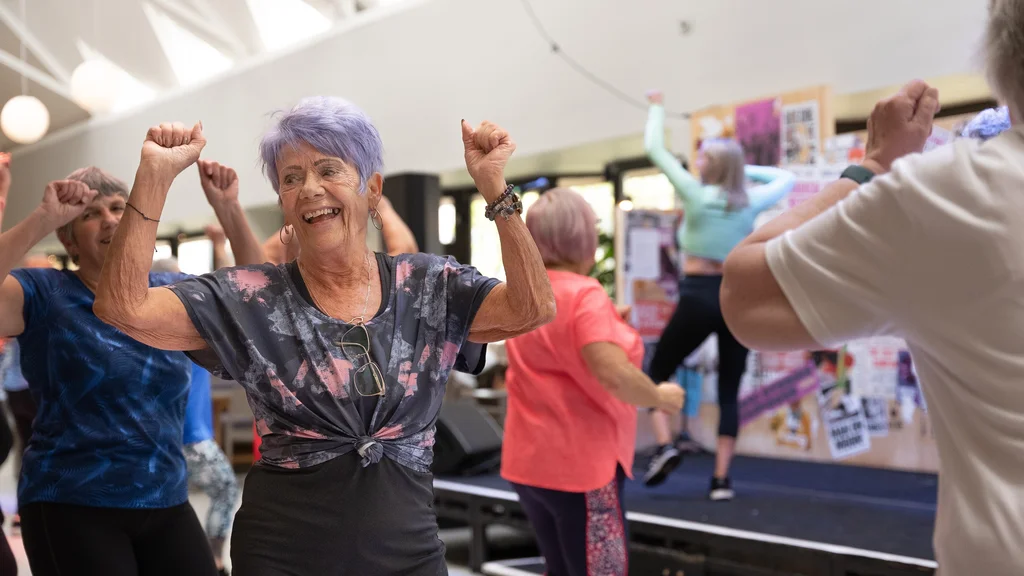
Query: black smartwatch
858,174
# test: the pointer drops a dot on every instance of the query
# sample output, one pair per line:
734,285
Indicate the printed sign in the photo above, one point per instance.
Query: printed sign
845,425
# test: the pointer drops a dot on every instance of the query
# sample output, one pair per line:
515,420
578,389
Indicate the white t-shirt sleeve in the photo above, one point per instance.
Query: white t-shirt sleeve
842,271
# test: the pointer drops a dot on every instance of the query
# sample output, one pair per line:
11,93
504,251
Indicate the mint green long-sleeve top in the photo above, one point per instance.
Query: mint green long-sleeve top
710,229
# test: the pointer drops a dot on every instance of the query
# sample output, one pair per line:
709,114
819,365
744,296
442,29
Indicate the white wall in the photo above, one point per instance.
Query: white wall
419,71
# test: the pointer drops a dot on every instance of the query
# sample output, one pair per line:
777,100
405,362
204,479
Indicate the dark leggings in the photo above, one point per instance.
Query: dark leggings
66,539
697,316
8,564
579,533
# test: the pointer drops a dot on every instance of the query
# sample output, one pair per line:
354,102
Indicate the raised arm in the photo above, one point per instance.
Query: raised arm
686,186
525,302
63,201
220,252
220,184
398,238
774,184
153,316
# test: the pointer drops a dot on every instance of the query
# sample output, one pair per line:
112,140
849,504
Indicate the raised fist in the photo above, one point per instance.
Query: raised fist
900,125
170,148
5,175
220,183
488,149
670,397
655,97
65,200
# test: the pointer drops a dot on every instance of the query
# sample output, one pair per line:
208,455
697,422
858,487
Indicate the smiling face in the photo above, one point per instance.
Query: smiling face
322,200
92,232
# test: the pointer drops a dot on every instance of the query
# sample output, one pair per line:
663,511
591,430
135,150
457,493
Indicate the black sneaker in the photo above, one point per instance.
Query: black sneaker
664,461
721,490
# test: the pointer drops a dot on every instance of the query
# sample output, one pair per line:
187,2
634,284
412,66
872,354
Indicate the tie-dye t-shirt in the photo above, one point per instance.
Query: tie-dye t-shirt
107,432
262,331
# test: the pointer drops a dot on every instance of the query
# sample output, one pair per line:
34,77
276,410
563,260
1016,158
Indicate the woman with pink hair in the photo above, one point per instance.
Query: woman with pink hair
577,380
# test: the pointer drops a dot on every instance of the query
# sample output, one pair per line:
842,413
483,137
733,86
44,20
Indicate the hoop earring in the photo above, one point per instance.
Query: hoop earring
280,234
375,217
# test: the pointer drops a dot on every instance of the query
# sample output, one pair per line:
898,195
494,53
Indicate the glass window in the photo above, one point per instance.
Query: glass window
485,248
447,219
649,189
600,194
196,256
163,251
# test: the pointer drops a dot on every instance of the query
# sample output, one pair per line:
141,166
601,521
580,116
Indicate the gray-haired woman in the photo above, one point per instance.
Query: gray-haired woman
343,353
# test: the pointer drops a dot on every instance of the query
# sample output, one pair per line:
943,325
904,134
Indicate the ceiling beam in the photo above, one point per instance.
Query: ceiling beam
35,75
223,39
32,43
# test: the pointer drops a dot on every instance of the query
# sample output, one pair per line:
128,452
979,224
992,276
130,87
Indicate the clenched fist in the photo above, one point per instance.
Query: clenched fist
900,125
488,149
220,183
65,200
170,148
670,397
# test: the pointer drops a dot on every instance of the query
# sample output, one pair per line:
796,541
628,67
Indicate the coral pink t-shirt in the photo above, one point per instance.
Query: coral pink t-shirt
564,430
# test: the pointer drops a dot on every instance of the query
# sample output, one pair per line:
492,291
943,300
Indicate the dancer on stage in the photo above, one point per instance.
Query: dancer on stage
343,353
573,385
102,487
719,211
870,255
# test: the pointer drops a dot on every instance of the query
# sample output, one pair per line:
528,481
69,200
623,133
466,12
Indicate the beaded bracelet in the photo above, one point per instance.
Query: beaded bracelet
505,205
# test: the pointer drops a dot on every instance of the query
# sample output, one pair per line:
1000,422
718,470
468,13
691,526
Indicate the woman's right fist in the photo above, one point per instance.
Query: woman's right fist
670,397
655,97
170,148
65,200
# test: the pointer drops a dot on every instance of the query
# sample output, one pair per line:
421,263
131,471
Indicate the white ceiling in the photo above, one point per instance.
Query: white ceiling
122,31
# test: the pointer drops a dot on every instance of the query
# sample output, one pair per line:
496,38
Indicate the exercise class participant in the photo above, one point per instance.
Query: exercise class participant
102,487
870,255
576,380
719,211
343,353
208,467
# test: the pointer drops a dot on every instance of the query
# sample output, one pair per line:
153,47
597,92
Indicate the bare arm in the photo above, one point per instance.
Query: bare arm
63,201
755,308
525,302
220,251
153,316
610,364
220,184
398,238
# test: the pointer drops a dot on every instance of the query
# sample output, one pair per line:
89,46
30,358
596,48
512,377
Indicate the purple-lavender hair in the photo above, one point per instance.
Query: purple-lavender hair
332,126
563,226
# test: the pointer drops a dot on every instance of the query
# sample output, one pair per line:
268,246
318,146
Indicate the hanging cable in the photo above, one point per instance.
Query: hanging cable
582,71
22,52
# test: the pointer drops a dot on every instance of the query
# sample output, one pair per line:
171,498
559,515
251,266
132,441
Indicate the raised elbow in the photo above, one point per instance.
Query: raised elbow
106,309
544,314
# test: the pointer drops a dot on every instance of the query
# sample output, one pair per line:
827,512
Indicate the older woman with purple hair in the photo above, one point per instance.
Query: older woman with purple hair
343,353
578,380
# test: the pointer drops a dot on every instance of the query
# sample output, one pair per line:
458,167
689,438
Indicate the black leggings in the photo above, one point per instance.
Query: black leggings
66,539
8,564
579,533
697,316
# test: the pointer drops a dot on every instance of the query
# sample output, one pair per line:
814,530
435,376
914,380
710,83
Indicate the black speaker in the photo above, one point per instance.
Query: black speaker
468,441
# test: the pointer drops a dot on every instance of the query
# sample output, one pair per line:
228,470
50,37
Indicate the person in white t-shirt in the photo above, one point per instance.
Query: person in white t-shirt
930,250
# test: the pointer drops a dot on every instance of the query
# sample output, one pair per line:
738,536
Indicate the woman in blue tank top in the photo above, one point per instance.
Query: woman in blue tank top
719,211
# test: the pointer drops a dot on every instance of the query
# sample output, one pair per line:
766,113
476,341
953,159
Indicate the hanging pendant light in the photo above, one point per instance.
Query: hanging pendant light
24,119
95,83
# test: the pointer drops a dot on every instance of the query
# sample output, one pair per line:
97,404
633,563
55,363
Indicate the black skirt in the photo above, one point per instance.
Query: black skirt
337,519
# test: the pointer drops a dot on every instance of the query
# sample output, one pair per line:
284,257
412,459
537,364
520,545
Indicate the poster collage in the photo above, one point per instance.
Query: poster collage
860,404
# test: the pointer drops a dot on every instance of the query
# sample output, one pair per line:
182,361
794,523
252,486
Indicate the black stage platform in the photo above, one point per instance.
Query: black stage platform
788,518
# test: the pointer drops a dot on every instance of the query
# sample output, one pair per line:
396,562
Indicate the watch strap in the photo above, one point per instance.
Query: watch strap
858,174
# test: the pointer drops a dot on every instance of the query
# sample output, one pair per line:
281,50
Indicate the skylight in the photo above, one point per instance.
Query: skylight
192,59
131,92
282,23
